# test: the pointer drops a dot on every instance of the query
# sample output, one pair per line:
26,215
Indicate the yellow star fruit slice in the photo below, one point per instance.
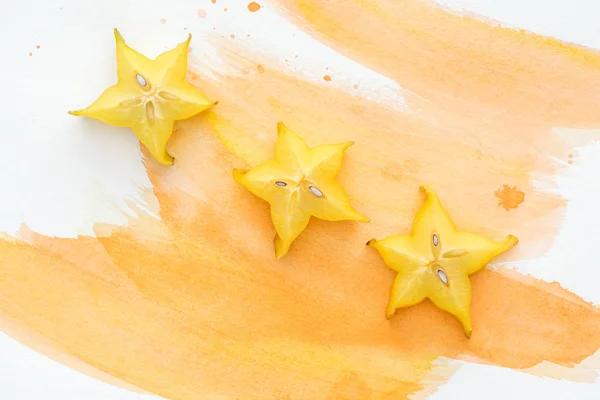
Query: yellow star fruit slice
299,184
435,261
149,97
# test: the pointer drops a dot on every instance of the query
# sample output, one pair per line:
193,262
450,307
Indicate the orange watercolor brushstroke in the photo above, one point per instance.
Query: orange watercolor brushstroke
173,312
461,63
195,306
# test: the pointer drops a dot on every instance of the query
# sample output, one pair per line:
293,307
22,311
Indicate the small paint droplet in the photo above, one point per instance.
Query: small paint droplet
280,183
326,68
253,6
232,36
193,77
30,54
443,277
509,197
570,162
248,35
225,9
163,21
201,13
355,86
570,155
37,47
213,1
315,190
260,68
327,78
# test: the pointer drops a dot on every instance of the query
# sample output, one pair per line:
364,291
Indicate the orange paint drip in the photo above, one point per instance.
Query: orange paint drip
253,6
327,78
509,197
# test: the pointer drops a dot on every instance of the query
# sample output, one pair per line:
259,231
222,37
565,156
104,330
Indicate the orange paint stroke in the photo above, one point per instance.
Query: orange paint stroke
509,197
195,305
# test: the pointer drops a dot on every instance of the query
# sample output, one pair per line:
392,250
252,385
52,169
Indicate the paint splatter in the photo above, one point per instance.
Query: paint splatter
163,21
37,47
509,197
225,9
354,86
253,6
260,68
232,36
327,78
201,13
213,1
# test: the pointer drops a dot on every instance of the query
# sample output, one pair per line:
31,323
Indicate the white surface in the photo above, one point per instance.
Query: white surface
97,168
484,382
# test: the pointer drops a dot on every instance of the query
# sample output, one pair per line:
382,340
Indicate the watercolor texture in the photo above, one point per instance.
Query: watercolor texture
180,295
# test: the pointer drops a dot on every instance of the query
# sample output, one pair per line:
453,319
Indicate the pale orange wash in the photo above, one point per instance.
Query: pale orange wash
195,306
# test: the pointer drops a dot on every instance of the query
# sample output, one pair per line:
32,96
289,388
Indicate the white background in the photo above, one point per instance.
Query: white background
62,174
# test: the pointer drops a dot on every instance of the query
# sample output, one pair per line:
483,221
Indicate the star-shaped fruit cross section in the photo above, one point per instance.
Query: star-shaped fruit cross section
300,183
435,261
149,97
